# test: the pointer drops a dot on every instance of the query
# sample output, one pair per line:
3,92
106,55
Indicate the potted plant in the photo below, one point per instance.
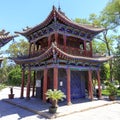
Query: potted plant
11,95
54,96
112,90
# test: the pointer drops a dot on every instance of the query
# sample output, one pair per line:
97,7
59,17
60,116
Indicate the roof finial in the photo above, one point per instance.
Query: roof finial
59,8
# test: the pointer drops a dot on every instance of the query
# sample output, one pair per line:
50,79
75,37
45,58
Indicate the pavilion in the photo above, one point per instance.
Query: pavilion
61,57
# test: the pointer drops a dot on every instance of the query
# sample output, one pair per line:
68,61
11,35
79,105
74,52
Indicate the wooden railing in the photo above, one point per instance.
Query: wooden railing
75,51
69,50
34,54
37,53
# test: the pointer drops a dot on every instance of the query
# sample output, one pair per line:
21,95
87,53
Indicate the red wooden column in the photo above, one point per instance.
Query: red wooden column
56,37
64,38
34,47
99,83
49,40
22,86
55,74
30,48
91,47
28,84
68,86
90,87
45,84
34,80
85,52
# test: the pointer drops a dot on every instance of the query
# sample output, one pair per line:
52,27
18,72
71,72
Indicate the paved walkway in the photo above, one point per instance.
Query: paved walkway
36,106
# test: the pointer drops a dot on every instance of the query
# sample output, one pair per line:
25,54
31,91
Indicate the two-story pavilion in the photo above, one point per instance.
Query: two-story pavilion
60,54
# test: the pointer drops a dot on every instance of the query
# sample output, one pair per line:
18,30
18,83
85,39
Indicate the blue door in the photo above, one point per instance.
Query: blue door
77,85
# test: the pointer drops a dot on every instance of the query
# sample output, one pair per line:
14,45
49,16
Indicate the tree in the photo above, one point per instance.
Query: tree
4,71
18,49
104,73
112,12
15,76
81,21
117,64
98,47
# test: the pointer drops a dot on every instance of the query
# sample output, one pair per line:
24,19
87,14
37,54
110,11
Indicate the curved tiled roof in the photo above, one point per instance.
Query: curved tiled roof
5,37
54,50
60,16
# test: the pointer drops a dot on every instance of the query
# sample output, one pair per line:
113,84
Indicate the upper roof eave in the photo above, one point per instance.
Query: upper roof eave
83,26
57,14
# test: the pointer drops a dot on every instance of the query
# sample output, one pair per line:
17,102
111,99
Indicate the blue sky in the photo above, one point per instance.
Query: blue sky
17,14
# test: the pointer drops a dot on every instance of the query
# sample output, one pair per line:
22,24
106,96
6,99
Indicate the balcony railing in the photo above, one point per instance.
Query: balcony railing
34,54
69,50
75,51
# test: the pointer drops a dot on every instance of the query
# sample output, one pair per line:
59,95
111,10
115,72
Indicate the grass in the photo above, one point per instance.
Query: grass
106,93
2,86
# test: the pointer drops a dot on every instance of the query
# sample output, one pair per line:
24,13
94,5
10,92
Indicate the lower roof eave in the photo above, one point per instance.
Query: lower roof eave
53,50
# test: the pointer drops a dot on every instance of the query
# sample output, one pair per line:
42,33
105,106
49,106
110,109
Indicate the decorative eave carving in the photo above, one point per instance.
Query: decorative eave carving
5,37
57,15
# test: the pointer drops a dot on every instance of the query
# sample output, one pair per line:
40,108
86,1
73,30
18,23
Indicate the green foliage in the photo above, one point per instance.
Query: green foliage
2,86
99,47
55,94
112,13
112,90
18,48
14,76
4,71
117,64
103,72
81,21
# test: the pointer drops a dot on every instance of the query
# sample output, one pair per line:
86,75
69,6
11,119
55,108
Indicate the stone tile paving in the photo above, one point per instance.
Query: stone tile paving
37,106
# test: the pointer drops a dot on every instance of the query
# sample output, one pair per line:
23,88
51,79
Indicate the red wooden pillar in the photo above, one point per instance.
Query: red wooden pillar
99,83
45,84
68,86
30,48
90,87
64,38
85,51
55,74
56,37
28,84
91,48
34,48
49,40
22,86
34,79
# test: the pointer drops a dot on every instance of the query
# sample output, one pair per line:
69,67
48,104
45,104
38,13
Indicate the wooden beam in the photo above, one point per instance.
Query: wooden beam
99,84
68,86
34,80
55,74
28,84
22,86
90,86
45,84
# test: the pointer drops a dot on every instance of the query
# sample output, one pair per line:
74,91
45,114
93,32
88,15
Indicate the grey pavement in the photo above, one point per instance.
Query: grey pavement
35,109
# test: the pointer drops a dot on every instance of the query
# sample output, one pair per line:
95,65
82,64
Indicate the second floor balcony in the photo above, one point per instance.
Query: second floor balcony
66,49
